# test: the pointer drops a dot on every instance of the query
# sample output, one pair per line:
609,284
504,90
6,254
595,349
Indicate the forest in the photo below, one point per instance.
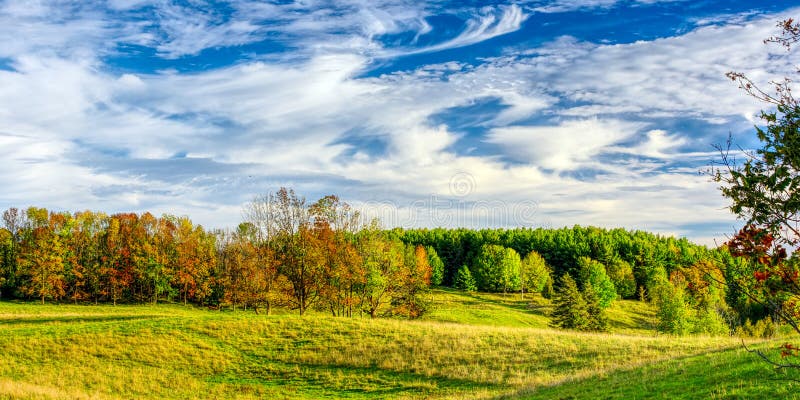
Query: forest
320,256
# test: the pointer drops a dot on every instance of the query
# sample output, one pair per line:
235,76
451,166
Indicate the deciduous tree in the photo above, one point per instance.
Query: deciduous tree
41,258
594,274
534,273
496,269
764,190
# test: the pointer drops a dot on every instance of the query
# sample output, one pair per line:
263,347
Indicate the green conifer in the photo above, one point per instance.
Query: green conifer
464,280
570,310
597,317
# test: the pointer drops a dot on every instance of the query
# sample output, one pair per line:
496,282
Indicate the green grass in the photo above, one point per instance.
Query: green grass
496,309
469,346
726,374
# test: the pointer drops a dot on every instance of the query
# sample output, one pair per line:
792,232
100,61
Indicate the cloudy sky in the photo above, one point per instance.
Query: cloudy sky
454,113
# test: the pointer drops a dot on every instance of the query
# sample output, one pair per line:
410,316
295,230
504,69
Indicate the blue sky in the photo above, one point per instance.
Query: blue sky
453,113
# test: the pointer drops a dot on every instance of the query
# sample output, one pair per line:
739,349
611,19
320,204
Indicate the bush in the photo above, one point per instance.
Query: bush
709,321
673,313
763,328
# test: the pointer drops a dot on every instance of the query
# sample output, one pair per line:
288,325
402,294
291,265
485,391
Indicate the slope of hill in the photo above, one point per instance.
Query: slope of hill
471,345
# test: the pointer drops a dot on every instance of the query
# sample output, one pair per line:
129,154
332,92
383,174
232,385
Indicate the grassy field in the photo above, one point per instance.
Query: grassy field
470,346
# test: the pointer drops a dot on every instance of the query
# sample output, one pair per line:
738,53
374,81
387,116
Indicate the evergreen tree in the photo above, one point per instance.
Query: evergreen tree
548,292
569,307
464,280
597,317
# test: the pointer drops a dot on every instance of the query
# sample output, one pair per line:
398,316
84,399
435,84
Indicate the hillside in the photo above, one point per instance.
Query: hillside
471,345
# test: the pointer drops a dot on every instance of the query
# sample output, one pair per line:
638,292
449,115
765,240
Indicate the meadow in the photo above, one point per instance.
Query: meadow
469,346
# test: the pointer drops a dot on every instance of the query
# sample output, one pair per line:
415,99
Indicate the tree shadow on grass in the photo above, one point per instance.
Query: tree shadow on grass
72,319
322,380
634,323
516,304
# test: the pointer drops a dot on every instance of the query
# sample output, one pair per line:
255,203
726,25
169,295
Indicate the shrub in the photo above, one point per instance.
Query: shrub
763,328
709,321
673,313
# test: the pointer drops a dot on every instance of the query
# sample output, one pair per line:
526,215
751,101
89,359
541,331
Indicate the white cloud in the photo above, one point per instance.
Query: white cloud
287,120
565,146
486,25
572,5
659,144
188,31
35,171
681,75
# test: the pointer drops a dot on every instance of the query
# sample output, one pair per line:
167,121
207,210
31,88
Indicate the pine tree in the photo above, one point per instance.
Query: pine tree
570,310
548,292
464,280
597,317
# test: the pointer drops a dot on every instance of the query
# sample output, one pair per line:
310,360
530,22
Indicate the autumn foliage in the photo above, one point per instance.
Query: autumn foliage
286,254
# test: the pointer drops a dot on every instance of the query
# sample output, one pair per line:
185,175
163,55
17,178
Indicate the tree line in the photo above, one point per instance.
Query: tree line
286,253
584,269
293,254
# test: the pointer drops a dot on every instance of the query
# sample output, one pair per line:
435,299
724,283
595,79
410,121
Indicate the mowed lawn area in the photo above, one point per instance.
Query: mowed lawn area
468,346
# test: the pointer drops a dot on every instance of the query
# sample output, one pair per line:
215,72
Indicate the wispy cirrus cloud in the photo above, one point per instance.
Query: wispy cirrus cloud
487,24
572,5
594,133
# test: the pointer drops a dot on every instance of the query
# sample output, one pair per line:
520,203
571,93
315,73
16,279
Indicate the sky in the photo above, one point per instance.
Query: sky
472,113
